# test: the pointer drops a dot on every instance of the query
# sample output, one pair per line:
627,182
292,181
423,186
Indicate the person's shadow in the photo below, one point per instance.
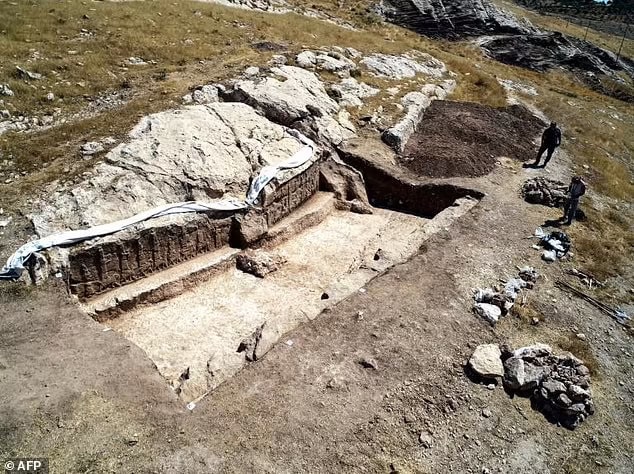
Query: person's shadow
553,223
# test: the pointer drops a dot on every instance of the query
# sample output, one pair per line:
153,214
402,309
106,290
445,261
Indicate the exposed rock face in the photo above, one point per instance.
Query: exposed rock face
451,18
349,92
403,67
544,51
264,5
201,152
296,97
510,41
326,61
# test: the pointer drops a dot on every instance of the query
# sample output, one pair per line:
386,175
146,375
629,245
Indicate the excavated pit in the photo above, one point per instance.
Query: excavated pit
201,320
391,186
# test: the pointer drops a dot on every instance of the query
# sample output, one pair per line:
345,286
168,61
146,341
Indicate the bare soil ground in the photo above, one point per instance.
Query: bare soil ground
93,402
464,139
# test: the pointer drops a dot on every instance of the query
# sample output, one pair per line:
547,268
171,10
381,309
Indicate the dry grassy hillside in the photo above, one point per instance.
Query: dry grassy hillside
82,50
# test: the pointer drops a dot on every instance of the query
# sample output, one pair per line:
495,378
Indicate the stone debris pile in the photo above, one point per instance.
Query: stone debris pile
491,303
548,192
558,385
556,244
259,263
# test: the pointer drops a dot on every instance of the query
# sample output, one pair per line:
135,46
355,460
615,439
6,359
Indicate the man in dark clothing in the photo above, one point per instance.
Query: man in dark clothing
576,189
551,139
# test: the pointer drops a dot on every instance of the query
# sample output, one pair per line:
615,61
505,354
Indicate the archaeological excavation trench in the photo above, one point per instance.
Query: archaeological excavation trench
174,290
205,293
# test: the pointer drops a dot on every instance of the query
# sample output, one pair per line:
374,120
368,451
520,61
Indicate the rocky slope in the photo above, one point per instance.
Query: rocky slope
451,18
509,40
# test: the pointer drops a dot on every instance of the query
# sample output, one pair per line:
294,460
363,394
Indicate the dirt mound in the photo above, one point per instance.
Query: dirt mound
465,139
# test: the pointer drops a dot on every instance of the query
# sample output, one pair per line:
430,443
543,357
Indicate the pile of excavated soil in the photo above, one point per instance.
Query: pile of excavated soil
465,139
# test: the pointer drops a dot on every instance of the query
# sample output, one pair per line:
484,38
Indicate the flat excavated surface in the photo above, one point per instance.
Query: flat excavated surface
198,332
457,139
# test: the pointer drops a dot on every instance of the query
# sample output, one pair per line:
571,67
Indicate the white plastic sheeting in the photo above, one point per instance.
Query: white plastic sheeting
15,264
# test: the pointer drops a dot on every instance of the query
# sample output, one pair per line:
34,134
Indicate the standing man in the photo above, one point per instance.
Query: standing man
551,139
576,189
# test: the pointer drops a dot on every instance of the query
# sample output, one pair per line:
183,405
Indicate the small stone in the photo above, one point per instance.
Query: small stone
577,393
409,419
554,387
491,386
522,375
581,336
535,321
487,413
50,97
563,400
489,312
368,363
583,370
91,148
6,91
425,440
259,263
252,71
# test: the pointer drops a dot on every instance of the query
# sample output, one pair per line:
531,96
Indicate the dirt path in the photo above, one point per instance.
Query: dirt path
93,402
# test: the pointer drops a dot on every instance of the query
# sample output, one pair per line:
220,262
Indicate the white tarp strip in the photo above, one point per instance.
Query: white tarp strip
15,264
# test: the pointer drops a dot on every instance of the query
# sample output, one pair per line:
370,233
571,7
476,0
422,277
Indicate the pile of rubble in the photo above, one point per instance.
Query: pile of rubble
491,303
558,386
548,192
259,263
556,244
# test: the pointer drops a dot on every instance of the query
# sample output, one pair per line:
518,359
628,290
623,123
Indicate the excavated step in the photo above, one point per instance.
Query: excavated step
160,286
175,280
204,336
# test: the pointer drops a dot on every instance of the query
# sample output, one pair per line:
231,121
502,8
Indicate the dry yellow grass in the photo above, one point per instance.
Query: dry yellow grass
193,43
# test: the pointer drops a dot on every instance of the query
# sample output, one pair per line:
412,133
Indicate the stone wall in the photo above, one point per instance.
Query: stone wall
112,262
280,202
131,255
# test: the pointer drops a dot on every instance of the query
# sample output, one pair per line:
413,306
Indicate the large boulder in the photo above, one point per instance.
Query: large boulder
201,152
486,361
521,375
